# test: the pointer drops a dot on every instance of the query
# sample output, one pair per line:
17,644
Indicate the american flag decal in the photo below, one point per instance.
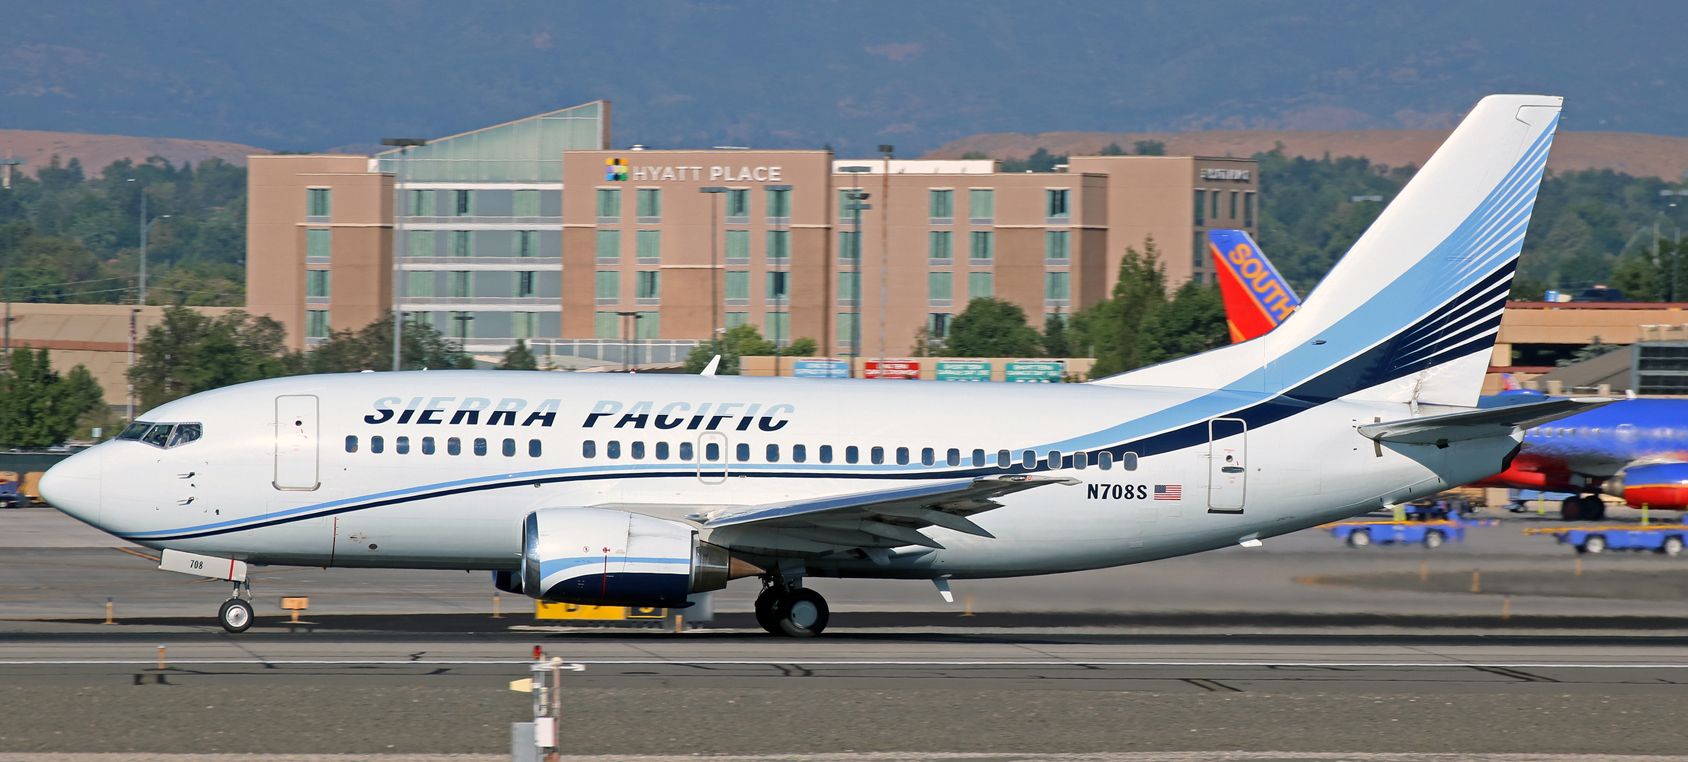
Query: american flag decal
1169,492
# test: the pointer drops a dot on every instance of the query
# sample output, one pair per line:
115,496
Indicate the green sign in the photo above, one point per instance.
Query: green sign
956,370
1034,371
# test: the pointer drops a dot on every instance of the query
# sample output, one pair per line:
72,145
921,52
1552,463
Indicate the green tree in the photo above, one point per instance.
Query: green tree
1055,342
189,352
1191,323
738,341
518,357
1148,148
371,348
992,327
1111,149
40,408
803,347
1109,330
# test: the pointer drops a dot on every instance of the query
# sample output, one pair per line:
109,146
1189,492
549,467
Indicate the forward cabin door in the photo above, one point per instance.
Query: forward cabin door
296,442
1227,465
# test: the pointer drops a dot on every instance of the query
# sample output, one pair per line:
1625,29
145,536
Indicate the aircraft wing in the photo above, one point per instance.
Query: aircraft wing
884,518
1478,423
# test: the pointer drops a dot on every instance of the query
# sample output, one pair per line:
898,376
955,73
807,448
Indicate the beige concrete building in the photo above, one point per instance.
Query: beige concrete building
652,251
95,336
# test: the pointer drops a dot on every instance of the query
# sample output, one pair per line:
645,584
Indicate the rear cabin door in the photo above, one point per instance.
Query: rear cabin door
296,442
1227,465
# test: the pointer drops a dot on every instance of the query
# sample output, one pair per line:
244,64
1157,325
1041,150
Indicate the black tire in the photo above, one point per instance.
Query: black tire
1593,508
768,610
803,613
235,615
1570,509
1594,543
1434,538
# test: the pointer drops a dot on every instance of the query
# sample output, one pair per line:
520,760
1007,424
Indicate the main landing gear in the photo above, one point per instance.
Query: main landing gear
236,613
1585,508
783,608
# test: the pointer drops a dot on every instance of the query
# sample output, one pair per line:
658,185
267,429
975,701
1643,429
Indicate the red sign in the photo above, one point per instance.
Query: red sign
906,370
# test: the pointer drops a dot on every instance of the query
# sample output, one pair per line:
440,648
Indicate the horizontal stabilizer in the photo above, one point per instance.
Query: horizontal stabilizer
1478,424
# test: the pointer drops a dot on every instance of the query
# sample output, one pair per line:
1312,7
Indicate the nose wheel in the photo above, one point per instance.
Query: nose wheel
236,612
796,612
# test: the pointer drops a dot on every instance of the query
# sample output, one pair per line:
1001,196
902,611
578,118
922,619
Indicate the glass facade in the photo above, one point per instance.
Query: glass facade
526,150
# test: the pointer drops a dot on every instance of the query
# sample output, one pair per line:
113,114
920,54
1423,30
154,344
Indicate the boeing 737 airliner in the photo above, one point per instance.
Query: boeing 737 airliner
641,490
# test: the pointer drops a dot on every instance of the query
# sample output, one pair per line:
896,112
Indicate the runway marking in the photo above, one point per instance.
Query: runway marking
137,554
870,663
1213,686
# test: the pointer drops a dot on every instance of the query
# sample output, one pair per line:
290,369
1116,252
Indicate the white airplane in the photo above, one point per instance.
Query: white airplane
643,490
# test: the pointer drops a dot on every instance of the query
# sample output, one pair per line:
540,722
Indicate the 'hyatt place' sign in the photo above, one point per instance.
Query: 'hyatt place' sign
618,170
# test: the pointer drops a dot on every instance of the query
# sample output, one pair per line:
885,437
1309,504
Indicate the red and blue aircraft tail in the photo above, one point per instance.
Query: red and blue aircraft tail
1256,297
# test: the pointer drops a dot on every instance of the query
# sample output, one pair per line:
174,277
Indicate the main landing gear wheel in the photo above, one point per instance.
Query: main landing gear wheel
235,615
802,613
1593,508
767,609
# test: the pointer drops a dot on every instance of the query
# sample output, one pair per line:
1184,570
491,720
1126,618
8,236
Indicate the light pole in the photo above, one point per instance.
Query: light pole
885,151
855,206
715,330
146,227
404,145
778,264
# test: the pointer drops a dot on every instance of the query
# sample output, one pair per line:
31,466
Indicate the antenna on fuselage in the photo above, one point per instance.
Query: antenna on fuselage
714,363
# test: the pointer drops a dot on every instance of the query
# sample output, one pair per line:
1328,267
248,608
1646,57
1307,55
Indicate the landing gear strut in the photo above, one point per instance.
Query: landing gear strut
785,609
236,613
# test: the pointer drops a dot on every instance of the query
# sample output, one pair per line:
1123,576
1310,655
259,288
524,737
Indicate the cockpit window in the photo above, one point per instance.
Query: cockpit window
162,435
158,435
134,430
185,433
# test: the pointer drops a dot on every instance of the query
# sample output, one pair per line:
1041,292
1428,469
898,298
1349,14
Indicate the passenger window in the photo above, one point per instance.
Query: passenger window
662,451
480,446
589,449
712,452
158,435
743,451
427,445
877,455
509,448
953,457
1028,459
1128,461
799,454
826,453
185,433
902,456
1078,460
533,448
453,446
1105,459
401,445
637,449
852,454
928,456
135,430
612,449
1054,459
978,458
1003,459
773,453
351,444
376,445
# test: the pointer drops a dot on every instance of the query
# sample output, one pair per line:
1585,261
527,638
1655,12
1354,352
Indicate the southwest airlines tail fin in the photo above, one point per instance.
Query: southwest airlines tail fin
1410,313
1256,297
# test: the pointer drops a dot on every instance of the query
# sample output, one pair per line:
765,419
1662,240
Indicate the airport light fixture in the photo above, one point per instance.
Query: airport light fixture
716,331
7,167
777,263
855,207
146,228
404,145
885,152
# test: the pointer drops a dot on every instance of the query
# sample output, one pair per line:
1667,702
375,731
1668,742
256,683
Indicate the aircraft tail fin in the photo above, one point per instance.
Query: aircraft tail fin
1256,297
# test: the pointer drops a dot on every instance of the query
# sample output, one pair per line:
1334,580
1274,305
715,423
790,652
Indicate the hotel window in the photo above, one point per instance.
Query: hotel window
648,284
779,203
460,324
738,246
845,213
649,205
1055,246
647,325
1234,196
606,325
1213,205
736,319
316,284
422,203
609,246
777,286
1056,203
938,324
462,203
419,283
738,203
778,325
522,324
940,288
738,285
316,324
648,245
526,203
527,243
609,204
982,246
608,286
847,245
462,283
942,203
1201,206
1248,209
1199,252
460,243
318,244
317,202
524,285
939,246
981,285
779,245
847,324
847,288
1055,287
981,205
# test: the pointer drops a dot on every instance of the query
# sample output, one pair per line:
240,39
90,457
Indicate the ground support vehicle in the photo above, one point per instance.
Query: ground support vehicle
1430,534
1668,539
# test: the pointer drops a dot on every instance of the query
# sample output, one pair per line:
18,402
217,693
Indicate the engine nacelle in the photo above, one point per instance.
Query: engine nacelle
606,557
1659,485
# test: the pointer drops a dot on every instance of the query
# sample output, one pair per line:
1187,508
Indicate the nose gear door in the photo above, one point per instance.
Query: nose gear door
1227,465
296,442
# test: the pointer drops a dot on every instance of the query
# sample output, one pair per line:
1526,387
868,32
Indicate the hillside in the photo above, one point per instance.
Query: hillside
1629,153
37,148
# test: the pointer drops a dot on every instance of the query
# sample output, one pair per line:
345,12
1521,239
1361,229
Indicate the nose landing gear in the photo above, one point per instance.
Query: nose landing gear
785,609
236,613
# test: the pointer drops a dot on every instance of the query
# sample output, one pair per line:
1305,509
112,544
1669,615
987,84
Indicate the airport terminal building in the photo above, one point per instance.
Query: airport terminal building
651,251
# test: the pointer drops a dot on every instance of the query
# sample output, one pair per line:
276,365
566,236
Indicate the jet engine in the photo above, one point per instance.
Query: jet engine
1658,485
607,557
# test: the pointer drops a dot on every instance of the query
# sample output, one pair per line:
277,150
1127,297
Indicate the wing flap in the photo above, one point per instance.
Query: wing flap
1479,423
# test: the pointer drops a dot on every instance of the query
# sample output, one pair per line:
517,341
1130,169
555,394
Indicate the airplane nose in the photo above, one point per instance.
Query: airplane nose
73,486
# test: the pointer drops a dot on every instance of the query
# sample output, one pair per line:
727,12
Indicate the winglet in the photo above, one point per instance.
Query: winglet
714,364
